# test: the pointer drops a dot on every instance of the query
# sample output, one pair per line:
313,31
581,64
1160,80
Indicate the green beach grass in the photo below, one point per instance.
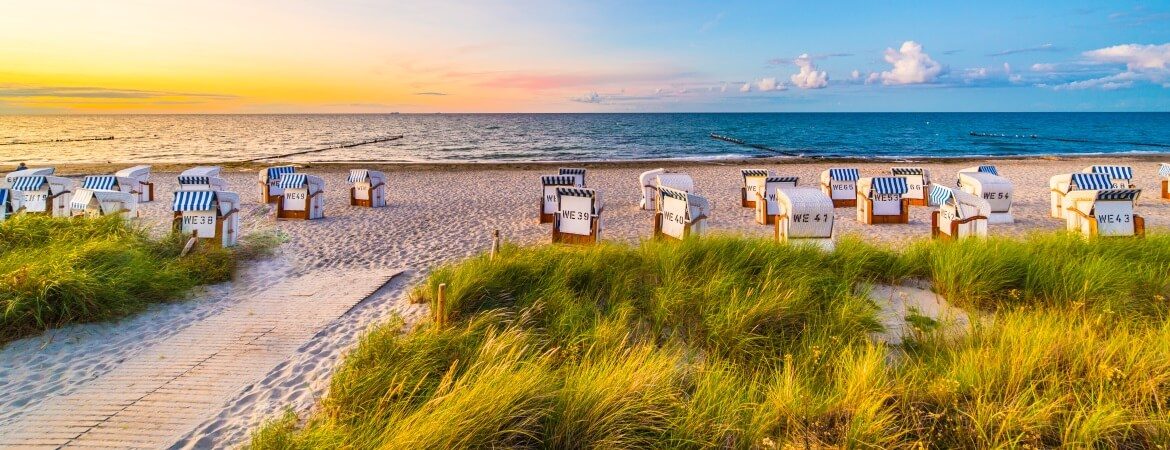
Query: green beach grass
57,271
727,342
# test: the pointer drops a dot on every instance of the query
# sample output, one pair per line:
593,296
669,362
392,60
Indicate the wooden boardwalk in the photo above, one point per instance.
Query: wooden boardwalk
152,399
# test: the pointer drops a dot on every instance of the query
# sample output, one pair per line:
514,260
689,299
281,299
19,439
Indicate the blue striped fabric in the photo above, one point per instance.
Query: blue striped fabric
1090,182
844,174
940,194
80,199
890,185
1118,194
359,175
1119,172
4,196
99,182
1164,170
191,179
907,171
274,173
292,180
28,183
571,171
782,179
193,200
557,180
989,169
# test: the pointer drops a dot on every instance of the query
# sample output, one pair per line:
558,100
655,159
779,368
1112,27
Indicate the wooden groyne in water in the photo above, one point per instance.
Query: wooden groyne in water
720,137
354,144
52,141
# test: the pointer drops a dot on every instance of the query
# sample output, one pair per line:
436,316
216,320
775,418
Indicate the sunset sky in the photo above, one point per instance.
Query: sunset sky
478,56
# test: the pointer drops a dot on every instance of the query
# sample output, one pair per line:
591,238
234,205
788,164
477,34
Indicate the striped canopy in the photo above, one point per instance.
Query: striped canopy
571,171
359,175
940,194
557,180
28,183
274,173
576,192
1119,172
292,180
890,185
193,201
1090,181
99,182
989,169
844,174
907,171
1164,170
1118,194
81,199
194,179
753,172
785,179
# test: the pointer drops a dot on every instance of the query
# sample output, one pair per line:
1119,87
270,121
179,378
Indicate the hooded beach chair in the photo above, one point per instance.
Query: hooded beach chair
211,215
648,181
577,174
840,184
1120,176
882,200
753,185
303,197
548,194
369,188
10,203
682,214
1061,185
110,183
1108,212
959,215
674,180
202,178
578,216
984,182
918,182
94,203
44,194
805,215
270,191
141,176
33,172
1164,172
766,206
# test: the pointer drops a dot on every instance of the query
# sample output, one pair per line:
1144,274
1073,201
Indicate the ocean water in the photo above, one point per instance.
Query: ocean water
572,137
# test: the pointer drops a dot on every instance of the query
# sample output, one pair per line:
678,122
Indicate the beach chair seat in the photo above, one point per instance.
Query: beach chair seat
1164,172
270,190
882,200
32,172
10,203
840,184
648,182
753,185
766,206
805,215
984,182
42,194
1120,176
918,182
578,175
209,215
95,202
960,215
681,215
674,180
141,176
548,195
1060,185
303,197
1108,212
369,188
578,216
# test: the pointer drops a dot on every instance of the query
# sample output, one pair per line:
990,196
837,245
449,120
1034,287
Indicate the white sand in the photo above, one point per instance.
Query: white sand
438,216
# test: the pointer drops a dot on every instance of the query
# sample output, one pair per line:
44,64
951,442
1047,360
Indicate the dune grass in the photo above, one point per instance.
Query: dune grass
56,271
740,343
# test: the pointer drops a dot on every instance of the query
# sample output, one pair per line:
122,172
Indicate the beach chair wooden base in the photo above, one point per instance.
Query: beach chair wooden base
282,213
936,232
877,219
924,201
743,199
762,216
1166,189
569,238
844,203
545,218
266,196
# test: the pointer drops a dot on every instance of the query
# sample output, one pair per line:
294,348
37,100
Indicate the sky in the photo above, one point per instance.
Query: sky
366,56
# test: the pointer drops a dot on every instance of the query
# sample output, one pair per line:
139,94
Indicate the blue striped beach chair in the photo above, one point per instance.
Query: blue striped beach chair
1060,185
1107,212
548,195
369,188
959,215
882,200
302,197
1120,176
840,184
985,182
202,178
95,202
681,214
578,175
578,216
753,186
270,190
918,181
766,206
208,215
33,172
47,195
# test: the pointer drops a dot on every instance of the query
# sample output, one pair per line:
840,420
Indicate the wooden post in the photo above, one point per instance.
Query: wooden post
441,305
495,244
190,245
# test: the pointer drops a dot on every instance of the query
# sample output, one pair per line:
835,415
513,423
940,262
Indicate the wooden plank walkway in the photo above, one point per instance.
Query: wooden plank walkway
154,398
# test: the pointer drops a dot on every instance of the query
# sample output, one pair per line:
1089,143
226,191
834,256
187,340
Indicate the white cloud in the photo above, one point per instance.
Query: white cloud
591,97
910,66
856,74
1007,68
975,74
808,77
1043,67
769,84
747,87
1143,63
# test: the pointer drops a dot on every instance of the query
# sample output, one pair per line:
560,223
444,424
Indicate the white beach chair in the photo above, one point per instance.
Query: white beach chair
1108,212
1120,176
44,194
1164,172
548,195
578,216
840,184
10,203
369,188
918,183
202,178
806,215
577,174
984,182
1061,185
33,172
766,206
141,176
753,185
94,203
303,197
674,180
270,191
210,215
648,181
959,215
882,200
682,214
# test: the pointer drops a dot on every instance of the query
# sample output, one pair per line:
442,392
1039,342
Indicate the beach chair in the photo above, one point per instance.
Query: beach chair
918,182
578,216
303,197
766,206
44,194
141,176
110,183
805,215
984,182
270,191
93,203
33,172
648,181
548,194
202,178
882,200
841,186
577,174
1060,185
753,185
1164,172
210,215
1108,212
959,215
369,188
674,180
10,203
682,214
1120,176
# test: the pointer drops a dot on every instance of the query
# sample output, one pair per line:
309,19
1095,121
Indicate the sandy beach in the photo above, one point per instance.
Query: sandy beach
440,214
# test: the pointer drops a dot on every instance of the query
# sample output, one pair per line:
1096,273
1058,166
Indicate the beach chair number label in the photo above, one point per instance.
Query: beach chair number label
887,197
1114,218
36,201
576,215
550,200
295,200
361,191
200,222
810,218
997,195
674,217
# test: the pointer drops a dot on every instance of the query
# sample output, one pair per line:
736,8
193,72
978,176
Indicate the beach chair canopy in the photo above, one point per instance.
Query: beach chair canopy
99,182
34,172
649,178
1118,194
985,169
194,179
80,200
201,171
194,201
889,186
300,180
582,192
749,173
274,173
557,180
697,206
140,173
839,174
902,171
1114,172
33,183
680,181
578,174
1090,181
83,197
1164,170
783,179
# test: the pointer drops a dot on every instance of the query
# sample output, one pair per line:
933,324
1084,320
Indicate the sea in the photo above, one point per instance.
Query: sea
571,137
